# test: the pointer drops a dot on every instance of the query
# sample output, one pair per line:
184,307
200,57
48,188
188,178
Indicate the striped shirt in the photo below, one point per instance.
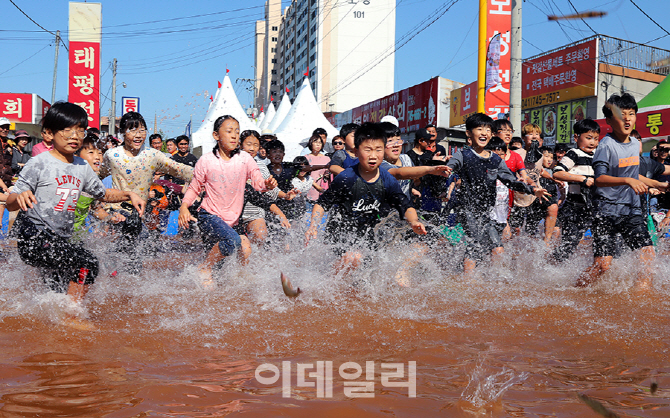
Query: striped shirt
576,162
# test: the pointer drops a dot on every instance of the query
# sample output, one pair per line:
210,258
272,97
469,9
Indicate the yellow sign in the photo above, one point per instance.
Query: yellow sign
653,123
563,129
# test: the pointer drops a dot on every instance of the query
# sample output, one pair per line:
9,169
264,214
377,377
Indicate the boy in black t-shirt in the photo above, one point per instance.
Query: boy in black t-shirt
360,197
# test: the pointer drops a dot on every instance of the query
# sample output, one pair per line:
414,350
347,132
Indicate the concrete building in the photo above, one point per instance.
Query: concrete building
345,46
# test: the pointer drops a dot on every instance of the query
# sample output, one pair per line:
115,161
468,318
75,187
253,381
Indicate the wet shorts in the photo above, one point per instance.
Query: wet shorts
215,230
633,230
60,260
482,235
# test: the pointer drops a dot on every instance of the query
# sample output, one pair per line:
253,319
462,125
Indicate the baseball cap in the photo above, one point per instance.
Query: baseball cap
4,121
422,134
390,119
21,134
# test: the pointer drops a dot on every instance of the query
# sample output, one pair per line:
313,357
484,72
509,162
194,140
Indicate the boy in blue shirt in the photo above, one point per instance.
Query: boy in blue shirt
616,166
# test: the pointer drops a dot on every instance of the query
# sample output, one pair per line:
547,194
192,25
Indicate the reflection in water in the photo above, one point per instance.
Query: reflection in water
515,340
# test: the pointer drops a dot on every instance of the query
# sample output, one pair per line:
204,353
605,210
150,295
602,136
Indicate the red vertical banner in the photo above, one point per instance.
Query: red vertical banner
84,79
499,21
85,27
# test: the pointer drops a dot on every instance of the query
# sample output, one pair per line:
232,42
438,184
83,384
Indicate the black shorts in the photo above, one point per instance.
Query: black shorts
60,260
531,215
633,230
482,235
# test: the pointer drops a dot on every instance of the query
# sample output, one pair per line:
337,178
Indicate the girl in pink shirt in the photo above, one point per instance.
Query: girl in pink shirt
223,175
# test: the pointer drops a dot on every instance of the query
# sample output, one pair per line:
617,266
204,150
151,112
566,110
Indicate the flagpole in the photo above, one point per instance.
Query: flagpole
481,62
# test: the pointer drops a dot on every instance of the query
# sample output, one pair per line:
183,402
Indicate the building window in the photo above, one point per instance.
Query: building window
273,83
274,39
274,29
274,71
314,28
274,61
273,49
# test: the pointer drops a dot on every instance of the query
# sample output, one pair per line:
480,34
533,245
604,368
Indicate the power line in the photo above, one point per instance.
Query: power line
40,26
644,13
575,9
461,45
426,26
9,69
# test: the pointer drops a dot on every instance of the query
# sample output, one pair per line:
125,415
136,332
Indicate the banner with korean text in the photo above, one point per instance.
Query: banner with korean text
463,103
567,74
85,25
23,107
413,107
499,21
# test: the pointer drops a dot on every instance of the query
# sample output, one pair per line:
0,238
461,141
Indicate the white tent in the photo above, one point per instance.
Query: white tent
260,119
268,117
303,118
225,103
282,111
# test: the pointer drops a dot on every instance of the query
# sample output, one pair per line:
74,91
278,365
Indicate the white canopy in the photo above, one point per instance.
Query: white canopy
282,111
225,103
303,118
268,117
260,119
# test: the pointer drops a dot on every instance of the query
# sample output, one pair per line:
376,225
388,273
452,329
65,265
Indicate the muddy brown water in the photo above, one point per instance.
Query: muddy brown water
516,341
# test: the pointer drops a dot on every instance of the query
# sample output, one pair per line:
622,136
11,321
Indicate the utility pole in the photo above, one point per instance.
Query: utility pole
112,110
53,87
515,67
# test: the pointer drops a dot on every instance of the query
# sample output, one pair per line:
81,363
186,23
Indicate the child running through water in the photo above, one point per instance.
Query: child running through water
616,166
361,195
223,174
479,169
47,192
132,169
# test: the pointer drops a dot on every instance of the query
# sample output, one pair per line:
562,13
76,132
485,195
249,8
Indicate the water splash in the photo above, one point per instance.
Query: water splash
484,389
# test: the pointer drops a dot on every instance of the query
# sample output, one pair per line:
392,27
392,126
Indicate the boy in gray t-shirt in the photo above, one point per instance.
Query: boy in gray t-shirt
47,191
616,166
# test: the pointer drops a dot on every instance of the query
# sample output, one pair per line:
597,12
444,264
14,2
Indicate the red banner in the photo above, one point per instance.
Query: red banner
560,76
84,79
414,107
649,124
17,107
499,20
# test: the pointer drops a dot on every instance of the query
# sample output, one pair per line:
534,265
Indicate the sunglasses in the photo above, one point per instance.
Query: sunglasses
338,143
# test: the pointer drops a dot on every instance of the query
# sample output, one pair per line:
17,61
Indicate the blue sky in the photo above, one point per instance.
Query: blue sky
171,53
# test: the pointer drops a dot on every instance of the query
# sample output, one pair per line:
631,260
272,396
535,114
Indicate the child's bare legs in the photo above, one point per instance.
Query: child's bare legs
349,262
77,291
257,230
496,255
550,223
402,276
469,266
592,274
244,252
644,278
